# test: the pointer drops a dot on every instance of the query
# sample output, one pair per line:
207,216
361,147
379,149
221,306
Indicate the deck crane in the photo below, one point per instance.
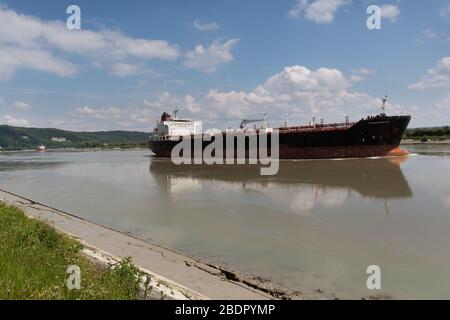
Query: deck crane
244,122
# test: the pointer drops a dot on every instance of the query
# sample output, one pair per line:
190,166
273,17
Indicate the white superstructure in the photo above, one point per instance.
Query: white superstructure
176,127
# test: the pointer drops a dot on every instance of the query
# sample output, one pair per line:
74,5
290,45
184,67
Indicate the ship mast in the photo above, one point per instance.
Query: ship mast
383,106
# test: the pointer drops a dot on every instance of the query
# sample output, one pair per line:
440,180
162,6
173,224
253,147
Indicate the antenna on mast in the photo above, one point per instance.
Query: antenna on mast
175,111
383,106
286,119
265,120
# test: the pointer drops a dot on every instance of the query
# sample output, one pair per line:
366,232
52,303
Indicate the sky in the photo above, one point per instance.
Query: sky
221,61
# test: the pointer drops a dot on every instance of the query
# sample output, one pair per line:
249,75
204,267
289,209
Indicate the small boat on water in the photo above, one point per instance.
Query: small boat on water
40,148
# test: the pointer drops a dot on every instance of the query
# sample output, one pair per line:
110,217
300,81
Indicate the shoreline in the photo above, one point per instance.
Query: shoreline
76,149
124,148
431,142
176,276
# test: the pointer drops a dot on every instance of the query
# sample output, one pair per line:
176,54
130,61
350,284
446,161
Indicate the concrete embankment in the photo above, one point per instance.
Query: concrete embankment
173,275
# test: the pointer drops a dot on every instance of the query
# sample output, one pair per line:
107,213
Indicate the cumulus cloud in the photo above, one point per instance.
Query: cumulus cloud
207,26
297,90
159,102
210,58
13,58
320,11
436,77
445,12
22,105
11,121
27,42
390,12
133,117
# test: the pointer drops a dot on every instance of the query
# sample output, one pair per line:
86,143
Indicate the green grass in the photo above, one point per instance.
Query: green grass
34,259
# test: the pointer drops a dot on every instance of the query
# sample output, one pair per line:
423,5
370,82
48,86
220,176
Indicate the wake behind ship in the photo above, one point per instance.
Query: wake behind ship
374,136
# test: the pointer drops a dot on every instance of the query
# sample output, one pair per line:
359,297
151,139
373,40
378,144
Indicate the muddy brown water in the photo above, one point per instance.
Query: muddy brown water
315,225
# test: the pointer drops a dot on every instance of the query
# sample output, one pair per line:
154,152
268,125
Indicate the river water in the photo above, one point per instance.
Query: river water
316,225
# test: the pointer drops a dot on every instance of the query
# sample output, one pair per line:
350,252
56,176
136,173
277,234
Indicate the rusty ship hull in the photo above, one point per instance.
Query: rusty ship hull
375,136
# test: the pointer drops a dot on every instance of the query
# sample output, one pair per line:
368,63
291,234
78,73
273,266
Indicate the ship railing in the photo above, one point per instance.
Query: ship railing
318,127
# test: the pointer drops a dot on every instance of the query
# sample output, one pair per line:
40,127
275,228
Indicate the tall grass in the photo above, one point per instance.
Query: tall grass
34,259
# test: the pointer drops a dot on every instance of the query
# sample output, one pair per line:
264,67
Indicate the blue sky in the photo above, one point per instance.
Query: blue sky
221,61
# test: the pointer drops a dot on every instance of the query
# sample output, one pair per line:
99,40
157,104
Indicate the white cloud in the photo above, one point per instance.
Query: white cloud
209,59
124,69
207,26
297,90
429,34
445,12
390,12
132,117
436,77
360,74
363,71
107,113
14,58
320,11
356,78
158,103
11,121
22,105
444,103
191,104
31,43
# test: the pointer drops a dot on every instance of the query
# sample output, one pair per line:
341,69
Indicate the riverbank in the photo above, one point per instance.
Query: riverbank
77,149
172,275
35,259
428,142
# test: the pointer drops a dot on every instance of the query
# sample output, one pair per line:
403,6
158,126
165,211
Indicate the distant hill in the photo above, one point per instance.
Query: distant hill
18,138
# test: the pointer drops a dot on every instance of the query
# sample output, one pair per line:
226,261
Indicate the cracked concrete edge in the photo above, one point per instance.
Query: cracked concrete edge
162,286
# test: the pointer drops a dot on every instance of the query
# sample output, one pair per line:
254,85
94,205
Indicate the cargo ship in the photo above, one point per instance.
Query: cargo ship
374,136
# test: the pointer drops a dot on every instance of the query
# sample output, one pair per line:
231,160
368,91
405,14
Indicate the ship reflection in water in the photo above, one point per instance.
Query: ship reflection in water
320,224
300,185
